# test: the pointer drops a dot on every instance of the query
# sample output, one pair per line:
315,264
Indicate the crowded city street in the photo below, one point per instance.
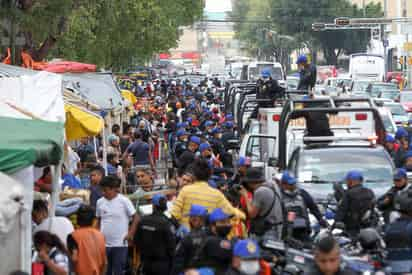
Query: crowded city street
205,137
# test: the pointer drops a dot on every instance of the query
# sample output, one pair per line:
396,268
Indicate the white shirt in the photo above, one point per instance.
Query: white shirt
114,217
60,226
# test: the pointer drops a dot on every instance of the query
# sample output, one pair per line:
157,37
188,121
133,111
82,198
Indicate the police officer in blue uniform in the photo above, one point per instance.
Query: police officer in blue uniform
398,236
246,255
216,250
188,246
155,237
307,73
356,201
181,143
386,203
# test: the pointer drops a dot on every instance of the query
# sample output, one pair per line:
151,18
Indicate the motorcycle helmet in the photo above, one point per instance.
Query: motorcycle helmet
369,239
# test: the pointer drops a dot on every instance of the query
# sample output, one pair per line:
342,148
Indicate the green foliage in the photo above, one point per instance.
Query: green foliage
113,34
295,18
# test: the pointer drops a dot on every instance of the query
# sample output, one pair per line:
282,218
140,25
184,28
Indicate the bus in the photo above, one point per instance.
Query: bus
367,66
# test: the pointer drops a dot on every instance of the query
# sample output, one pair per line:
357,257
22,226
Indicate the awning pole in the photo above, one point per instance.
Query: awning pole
56,175
104,150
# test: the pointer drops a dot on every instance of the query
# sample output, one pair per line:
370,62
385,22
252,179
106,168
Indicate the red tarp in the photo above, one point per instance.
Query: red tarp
68,67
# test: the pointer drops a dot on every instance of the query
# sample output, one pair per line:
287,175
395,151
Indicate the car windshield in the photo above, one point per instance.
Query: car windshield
255,72
346,82
396,110
389,95
406,97
379,88
331,165
292,83
360,86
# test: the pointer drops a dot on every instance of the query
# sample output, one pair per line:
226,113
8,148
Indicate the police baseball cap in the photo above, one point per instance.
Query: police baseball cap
181,132
400,174
288,178
228,124
401,133
246,249
354,175
218,215
195,140
209,123
244,161
229,117
157,198
203,147
216,130
389,138
302,59
197,211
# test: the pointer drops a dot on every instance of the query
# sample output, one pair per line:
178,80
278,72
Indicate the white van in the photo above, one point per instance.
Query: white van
367,66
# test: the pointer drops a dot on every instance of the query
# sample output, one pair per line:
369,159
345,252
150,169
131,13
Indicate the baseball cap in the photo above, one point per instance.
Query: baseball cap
203,147
302,59
156,199
228,124
209,123
197,211
389,138
181,132
195,139
244,161
354,175
218,215
246,249
401,133
229,117
399,174
216,130
266,73
288,178
189,120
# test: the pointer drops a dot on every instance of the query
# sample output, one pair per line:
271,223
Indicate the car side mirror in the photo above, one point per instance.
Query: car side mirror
273,162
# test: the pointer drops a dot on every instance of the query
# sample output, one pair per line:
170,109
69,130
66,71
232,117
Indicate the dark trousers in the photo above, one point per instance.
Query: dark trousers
116,260
156,267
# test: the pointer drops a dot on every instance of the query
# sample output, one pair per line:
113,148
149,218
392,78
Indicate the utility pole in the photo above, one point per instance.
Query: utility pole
364,8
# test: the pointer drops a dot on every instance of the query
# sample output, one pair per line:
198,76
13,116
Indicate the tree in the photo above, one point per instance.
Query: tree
112,34
296,18
262,39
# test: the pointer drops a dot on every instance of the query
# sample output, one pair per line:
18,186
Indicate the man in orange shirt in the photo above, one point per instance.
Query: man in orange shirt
87,245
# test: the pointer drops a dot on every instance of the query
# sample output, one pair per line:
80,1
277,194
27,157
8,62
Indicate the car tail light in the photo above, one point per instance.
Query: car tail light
276,117
361,116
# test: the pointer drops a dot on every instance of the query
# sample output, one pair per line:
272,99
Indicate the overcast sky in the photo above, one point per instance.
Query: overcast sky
218,5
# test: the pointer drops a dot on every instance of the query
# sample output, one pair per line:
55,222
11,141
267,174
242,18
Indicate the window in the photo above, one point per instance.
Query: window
260,148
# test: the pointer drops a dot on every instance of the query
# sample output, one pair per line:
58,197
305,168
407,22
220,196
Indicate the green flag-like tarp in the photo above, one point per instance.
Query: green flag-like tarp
25,142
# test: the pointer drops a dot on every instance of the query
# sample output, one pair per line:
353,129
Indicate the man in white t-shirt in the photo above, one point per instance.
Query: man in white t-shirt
60,226
114,212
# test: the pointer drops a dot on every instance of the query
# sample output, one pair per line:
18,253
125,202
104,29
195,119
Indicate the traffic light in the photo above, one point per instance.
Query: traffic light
318,27
402,60
342,21
410,60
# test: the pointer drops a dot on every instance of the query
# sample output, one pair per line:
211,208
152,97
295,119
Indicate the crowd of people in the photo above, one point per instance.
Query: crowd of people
211,212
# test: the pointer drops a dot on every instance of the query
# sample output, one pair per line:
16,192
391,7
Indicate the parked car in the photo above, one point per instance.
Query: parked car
405,98
399,114
374,89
